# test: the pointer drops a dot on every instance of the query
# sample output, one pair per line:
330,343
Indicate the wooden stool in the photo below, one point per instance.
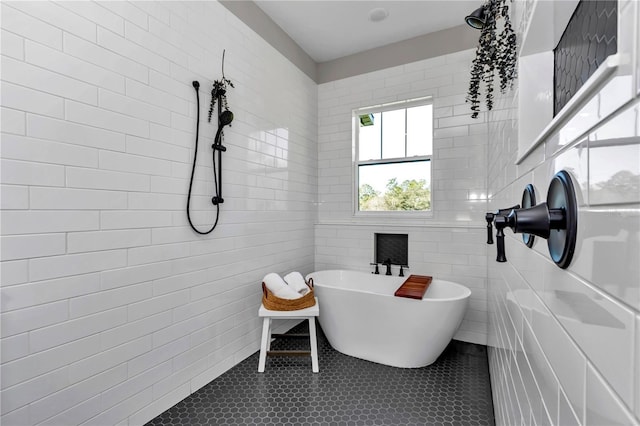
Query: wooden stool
307,314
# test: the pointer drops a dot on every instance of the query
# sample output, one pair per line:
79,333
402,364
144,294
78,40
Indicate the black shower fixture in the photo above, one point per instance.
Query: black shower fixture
224,119
489,217
218,95
528,200
477,18
556,221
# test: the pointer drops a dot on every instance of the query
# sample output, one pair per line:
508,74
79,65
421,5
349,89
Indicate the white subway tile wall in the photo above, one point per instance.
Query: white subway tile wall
450,245
564,343
112,308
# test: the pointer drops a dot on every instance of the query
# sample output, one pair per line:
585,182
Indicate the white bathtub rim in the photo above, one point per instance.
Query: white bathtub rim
465,292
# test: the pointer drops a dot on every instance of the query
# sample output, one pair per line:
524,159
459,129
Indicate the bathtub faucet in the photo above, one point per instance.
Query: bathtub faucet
401,274
387,263
377,271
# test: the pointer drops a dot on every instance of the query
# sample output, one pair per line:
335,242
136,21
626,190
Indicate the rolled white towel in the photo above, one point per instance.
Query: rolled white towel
296,281
279,287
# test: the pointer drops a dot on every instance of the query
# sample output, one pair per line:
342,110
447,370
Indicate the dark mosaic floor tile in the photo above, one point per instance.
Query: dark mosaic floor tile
455,390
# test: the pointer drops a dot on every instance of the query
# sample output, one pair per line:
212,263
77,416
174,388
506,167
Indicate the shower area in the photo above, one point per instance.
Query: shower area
139,213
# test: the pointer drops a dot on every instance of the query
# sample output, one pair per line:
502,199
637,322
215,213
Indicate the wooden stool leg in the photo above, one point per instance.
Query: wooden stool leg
314,345
264,345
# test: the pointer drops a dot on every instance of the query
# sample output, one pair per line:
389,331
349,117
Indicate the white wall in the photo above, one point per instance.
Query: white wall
113,309
565,344
451,244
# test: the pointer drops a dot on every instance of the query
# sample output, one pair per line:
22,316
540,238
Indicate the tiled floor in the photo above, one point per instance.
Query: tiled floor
455,390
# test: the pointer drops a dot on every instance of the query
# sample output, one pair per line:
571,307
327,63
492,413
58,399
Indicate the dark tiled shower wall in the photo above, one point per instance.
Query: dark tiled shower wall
589,38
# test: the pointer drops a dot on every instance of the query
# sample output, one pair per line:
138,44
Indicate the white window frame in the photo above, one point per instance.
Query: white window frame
356,113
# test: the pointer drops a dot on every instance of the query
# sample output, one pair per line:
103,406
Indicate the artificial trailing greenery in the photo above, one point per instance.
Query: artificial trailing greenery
495,52
219,91
508,55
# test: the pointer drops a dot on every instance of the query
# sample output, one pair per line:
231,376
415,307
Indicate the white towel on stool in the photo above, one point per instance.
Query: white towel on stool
296,281
279,287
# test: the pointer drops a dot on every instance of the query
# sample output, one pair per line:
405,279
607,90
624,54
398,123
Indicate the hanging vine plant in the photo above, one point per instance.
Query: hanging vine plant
495,53
219,90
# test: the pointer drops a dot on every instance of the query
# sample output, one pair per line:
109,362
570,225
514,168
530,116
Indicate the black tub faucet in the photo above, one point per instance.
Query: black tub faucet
377,271
401,274
387,263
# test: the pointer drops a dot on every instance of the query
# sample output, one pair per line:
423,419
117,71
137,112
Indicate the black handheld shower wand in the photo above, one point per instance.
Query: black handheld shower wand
218,94
224,119
196,86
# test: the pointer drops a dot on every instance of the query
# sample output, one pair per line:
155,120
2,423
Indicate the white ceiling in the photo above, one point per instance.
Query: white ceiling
331,29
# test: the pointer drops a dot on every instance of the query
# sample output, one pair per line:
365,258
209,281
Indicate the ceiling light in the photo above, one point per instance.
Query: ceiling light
378,14
477,18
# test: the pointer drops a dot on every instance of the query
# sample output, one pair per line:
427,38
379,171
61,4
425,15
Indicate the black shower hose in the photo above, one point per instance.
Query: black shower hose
196,86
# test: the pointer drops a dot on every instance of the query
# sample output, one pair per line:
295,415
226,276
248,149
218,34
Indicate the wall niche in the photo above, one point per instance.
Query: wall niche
393,247
590,37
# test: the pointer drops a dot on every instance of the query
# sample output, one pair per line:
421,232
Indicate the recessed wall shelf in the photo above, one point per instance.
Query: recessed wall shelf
605,91
393,248
585,43
594,82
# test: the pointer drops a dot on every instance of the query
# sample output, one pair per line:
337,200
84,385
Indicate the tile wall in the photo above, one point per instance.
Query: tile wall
449,245
565,344
113,309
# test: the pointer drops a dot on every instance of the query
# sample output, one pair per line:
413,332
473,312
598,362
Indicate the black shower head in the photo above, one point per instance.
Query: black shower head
225,118
477,18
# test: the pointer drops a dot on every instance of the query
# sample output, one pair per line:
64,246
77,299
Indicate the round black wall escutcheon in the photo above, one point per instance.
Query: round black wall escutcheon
562,196
528,200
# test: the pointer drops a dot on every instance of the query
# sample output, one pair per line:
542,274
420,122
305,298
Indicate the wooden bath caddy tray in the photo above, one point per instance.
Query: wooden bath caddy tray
414,287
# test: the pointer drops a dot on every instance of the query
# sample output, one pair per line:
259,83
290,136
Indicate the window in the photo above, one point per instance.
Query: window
393,147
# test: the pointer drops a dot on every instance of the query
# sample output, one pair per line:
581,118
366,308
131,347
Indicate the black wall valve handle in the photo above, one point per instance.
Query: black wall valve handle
501,222
538,220
556,221
489,217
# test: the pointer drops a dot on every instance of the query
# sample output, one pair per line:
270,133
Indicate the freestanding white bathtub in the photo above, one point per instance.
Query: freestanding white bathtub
362,318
